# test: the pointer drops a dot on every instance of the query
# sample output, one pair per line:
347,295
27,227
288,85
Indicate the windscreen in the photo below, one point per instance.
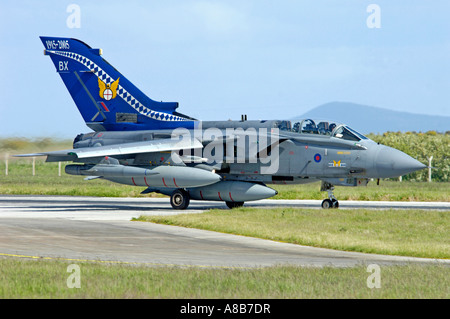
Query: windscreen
346,133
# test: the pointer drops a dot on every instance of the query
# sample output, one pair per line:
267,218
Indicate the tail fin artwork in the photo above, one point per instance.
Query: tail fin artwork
105,98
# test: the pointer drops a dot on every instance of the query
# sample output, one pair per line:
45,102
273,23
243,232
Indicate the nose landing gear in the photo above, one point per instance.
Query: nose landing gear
331,201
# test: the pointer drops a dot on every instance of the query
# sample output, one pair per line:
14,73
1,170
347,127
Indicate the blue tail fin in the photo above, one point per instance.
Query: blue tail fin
104,97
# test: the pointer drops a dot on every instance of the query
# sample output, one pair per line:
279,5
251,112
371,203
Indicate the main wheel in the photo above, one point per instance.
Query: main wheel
232,205
179,199
327,204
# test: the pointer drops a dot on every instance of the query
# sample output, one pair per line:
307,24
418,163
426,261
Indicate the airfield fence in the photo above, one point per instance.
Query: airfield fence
27,166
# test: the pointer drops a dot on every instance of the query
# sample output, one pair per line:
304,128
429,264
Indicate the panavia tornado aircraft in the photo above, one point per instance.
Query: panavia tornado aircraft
142,142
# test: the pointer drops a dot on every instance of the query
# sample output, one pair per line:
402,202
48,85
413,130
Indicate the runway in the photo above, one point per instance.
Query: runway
100,229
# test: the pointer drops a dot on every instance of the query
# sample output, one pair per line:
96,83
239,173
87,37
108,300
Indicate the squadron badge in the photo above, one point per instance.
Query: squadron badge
108,91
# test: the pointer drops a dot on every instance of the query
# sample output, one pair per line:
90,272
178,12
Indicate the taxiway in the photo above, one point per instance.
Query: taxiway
100,229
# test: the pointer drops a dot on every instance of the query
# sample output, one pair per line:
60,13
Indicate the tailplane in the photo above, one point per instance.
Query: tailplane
105,98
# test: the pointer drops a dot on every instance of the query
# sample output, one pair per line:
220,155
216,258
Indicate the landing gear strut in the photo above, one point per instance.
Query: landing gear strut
331,201
179,199
232,205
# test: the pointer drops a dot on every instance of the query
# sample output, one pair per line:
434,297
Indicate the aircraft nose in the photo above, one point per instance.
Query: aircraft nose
390,162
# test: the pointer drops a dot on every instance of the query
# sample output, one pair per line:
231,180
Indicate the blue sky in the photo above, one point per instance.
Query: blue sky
221,59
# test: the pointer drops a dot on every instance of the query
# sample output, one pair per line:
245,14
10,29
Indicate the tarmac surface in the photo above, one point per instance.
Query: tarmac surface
100,229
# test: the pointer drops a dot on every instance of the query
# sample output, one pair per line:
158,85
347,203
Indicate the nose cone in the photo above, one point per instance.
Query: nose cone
393,163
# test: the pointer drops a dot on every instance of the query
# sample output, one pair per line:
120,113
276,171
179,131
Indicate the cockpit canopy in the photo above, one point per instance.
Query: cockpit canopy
321,127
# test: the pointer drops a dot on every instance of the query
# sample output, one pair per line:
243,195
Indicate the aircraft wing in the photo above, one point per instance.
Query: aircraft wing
160,145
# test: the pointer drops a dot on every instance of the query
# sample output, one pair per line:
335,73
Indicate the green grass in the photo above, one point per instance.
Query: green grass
416,233
46,181
66,185
22,278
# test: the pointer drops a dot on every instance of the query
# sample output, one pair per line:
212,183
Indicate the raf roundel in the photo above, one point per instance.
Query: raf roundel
317,158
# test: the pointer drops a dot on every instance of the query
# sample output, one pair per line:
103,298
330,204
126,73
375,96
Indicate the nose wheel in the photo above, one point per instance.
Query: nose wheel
331,201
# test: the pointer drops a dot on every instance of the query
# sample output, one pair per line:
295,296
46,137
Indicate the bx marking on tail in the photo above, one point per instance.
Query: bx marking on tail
103,101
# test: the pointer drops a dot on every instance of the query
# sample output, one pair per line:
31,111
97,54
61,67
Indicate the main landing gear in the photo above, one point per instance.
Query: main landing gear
331,201
232,205
179,199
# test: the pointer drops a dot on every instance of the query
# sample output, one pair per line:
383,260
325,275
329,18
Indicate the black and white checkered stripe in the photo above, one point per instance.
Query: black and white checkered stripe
127,97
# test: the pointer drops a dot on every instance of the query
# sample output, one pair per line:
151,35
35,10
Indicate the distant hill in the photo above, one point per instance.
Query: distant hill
370,119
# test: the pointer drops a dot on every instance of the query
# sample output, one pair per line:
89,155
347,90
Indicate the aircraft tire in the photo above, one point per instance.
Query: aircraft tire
326,204
179,199
232,205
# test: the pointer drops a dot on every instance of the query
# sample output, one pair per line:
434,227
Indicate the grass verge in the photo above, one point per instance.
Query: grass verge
415,233
21,278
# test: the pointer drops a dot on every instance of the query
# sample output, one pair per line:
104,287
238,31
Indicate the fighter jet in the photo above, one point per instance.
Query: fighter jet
142,142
